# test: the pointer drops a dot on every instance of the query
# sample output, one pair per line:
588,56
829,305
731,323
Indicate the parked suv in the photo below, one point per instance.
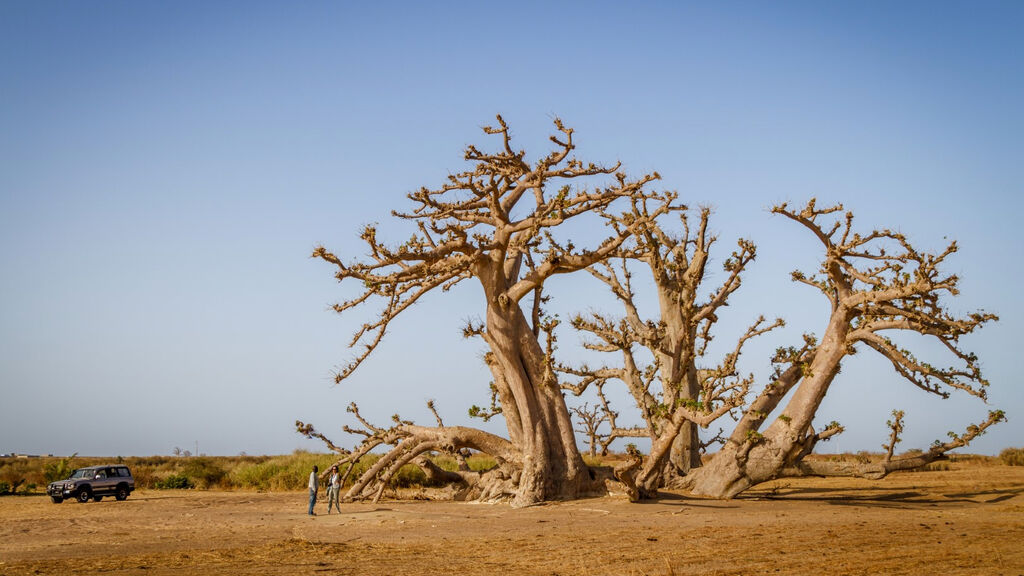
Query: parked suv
93,482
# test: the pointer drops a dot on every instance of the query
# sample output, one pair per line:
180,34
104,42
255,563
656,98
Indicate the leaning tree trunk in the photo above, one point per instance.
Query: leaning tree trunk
676,437
675,450
749,457
535,412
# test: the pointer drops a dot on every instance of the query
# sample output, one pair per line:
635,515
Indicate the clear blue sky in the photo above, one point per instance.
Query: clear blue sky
166,168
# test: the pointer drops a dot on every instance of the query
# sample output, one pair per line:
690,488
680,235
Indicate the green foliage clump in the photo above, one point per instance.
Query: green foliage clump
5,488
204,472
1012,456
175,482
58,469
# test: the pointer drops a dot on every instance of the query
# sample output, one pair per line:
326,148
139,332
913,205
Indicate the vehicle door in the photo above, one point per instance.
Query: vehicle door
124,475
102,481
113,478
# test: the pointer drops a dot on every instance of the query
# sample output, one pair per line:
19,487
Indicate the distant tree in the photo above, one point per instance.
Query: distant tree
591,419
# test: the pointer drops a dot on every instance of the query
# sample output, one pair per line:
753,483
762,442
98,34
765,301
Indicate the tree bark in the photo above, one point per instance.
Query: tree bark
552,467
750,458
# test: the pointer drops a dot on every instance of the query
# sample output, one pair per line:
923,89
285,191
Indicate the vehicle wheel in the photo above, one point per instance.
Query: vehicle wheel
84,495
97,498
122,493
56,499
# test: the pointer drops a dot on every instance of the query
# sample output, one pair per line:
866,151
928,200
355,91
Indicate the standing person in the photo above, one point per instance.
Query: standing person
313,485
334,490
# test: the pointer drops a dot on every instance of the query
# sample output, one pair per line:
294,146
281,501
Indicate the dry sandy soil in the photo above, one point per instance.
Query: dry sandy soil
967,521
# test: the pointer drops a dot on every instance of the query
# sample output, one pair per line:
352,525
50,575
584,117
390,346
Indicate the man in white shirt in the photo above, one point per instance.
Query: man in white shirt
313,485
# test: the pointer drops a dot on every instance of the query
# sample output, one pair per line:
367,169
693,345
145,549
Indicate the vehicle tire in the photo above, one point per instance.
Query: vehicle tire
84,494
56,499
122,493
97,498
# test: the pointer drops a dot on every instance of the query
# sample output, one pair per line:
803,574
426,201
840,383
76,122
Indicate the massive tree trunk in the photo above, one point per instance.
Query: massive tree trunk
535,412
680,381
685,455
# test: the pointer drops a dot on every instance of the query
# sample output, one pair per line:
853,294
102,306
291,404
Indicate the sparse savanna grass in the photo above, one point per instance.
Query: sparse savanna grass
289,472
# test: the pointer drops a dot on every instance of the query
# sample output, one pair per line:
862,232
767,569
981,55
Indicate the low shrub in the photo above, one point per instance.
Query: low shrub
5,488
1012,456
938,466
15,474
204,472
175,482
144,477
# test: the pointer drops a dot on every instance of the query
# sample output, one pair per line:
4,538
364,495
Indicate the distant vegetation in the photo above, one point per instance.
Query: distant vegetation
291,471
1012,456
263,473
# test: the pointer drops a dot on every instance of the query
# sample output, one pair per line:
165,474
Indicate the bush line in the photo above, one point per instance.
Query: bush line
291,471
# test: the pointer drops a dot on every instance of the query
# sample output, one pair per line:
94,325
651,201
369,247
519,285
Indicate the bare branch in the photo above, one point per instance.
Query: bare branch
888,465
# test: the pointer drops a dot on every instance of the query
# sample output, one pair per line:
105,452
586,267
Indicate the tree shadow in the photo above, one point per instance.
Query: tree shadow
674,498
357,512
1000,495
876,498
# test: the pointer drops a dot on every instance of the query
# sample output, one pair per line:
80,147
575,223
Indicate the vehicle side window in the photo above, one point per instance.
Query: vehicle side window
101,473
123,472
112,472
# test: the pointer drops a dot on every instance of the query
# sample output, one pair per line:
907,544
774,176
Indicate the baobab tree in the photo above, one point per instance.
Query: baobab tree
674,395
877,284
496,223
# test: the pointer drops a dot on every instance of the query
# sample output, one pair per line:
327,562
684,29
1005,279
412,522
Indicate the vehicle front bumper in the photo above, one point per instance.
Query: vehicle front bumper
60,491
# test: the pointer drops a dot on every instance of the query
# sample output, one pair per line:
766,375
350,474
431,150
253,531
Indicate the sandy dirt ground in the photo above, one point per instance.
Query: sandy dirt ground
968,521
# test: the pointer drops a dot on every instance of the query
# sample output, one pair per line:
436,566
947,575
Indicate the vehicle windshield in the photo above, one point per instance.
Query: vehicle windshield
82,473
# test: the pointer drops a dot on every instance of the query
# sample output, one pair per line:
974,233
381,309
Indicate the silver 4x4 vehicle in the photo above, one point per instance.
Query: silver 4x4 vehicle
93,482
